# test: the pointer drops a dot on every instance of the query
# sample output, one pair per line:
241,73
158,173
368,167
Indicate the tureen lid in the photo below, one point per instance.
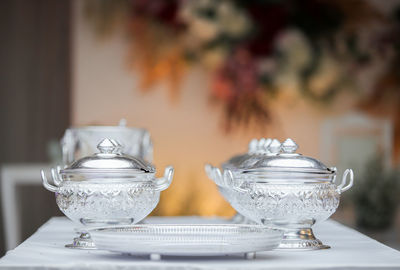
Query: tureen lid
109,159
273,156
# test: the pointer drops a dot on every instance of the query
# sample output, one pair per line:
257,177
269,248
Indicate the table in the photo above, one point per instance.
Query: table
350,250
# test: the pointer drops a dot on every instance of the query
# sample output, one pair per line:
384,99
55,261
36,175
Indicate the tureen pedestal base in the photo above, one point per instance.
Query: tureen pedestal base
300,239
84,241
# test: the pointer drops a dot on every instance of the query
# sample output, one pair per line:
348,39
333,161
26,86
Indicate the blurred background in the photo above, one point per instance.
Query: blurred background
203,77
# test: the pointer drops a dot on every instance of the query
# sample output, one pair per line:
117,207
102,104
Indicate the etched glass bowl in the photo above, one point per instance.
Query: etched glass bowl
96,204
107,188
228,194
277,187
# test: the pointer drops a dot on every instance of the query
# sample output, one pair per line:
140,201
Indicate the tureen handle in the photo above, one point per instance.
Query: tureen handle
55,174
46,183
164,182
214,174
229,182
342,187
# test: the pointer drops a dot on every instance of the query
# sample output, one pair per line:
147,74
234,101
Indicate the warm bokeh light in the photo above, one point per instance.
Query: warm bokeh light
187,133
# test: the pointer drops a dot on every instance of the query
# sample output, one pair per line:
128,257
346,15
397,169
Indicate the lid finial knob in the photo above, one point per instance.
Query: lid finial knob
266,144
289,146
108,146
274,147
253,145
259,146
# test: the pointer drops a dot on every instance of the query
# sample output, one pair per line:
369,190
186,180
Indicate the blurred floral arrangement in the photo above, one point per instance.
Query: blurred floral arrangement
256,50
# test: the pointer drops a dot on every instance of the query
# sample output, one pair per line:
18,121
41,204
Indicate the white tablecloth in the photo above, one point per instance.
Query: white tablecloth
349,249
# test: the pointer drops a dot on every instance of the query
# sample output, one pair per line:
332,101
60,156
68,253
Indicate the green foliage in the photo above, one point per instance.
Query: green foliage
376,196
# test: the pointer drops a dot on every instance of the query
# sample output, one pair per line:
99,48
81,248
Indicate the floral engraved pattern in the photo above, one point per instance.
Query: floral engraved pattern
98,203
297,204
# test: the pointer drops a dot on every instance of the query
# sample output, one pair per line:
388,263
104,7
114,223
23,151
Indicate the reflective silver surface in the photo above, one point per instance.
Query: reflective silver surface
109,160
275,186
270,155
80,142
84,241
108,188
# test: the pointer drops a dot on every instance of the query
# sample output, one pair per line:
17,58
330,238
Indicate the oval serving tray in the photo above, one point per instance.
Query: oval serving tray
187,239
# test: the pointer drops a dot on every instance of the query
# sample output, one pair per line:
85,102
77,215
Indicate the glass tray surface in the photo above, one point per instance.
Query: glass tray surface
187,239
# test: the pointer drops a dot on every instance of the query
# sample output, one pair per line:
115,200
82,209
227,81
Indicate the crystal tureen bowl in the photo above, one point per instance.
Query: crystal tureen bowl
107,188
228,194
275,186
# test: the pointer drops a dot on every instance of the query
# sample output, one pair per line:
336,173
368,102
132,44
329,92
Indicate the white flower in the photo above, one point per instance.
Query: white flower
203,29
295,49
227,19
231,20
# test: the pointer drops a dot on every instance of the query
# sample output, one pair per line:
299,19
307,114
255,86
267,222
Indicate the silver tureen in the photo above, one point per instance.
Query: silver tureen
275,186
108,187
